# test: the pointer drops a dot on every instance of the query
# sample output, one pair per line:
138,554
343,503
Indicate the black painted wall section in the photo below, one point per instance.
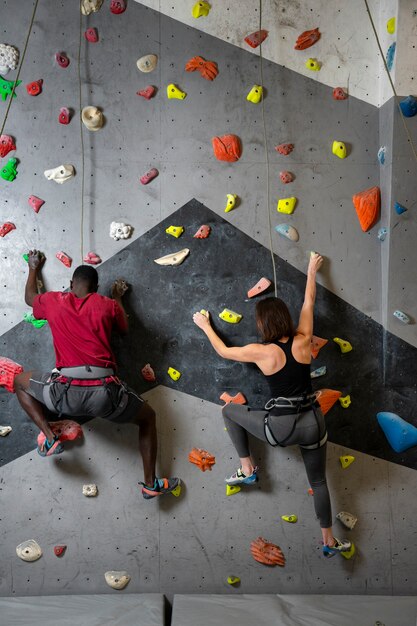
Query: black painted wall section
217,274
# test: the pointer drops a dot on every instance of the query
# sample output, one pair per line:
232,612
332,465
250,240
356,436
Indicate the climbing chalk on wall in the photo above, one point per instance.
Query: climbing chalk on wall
64,258
307,39
227,148
175,231
148,373
35,203
173,373
339,149
8,371
90,6
287,231
117,579
9,171
320,371
62,59
29,550
60,174
7,144
255,94
6,87
327,398
118,6
91,35
91,258
262,285
401,316
313,65
203,232
286,205
147,93
339,93
401,435
255,39
239,398
230,316
148,176
6,228
147,63
367,204
201,9
120,230
9,58
5,430
92,118
175,93
285,148
231,200
202,459
176,258
35,87
266,552
207,69
343,344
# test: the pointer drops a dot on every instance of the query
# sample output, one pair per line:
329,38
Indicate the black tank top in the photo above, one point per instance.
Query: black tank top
293,379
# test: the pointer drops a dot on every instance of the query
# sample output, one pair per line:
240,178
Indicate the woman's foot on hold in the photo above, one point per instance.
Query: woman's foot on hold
239,478
338,546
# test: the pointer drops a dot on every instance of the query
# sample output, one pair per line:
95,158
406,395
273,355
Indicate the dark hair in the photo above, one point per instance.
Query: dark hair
86,274
273,319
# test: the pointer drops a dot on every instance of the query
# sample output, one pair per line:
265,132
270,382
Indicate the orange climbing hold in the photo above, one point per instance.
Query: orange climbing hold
203,459
255,39
65,430
262,285
227,148
8,370
327,398
267,553
239,398
148,373
317,343
367,204
307,39
207,69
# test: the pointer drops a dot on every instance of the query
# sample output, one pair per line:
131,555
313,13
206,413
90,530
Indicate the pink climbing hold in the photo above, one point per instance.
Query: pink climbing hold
239,398
91,258
64,258
118,6
59,550
262,285
91,35
6,228
146,178
62,59
203,232
255,39
286,177
148,373
339,93
6,145
8,371
147,93
35,87
65,430
35,203
64,116
285,148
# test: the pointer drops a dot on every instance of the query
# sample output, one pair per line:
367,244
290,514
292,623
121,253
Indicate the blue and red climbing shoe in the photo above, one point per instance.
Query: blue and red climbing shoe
160,487
337,548
48,449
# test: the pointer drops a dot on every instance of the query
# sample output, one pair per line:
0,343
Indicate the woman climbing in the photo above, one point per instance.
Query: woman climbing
292,414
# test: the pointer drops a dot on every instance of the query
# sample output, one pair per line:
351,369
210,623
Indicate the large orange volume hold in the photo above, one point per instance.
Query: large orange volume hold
227,148
367,204
327,398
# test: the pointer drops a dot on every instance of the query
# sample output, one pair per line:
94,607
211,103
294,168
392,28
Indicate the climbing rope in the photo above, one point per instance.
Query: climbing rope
22,58
82,140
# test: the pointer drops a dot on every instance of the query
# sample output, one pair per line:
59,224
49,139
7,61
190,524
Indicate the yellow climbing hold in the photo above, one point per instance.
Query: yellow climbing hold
232,489
344,345
255,94
339,149
349,553
175,231
174,374
173,92
391,25
230,316
345,401
205,313
313,64
176,492
231,202
233,580
201,9
286,205
290,518
345,461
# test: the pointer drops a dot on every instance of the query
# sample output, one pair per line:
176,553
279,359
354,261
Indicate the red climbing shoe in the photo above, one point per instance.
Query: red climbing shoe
48,449
161,486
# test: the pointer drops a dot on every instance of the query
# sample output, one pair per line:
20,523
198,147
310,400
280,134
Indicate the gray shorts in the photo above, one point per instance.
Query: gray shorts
114,402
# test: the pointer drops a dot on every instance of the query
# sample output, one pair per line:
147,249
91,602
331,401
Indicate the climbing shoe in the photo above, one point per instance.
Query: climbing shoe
339,546
239,478
48,449
160,487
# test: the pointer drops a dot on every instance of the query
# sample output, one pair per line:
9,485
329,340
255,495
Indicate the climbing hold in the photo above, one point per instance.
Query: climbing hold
339,93
35,203
317,343
231,202
91,258
399,208
62,59
320,371
174,92
9,171
117,580
327,398
92,118
59,550
203,232
347,554
148,373
146,178
344,345
6,87
176,258
207,69
5,430
205,313
203,459
255,39
347,460
285,148
389,58
230,316
90,6
345,401
29,550
177,491
381,155
147,63
90,491
347,519
34,88
120,230
382,233
307,39
408,106
175,231
8,370
400,434
6,228
339,149
31,319
64,115
313,65
292,519
6,145
286,205
286,177
233,580
174,374
232,489
267,553
201,9
239,398
227,148
287,231
65,430
391,25
118,6
403,317
60,174
9,58
147,93
262,285
310,492
255,94
91,35
367,204
64,258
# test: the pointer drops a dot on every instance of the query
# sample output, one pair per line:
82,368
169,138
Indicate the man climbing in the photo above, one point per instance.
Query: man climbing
84,382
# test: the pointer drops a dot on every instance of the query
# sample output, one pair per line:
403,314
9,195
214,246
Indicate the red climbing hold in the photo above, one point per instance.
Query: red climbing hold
91,35
6,228
146,178
285,148
65,430
262,285
307,38
64,116
286,177
62,59
91,258
203,459
367,204
35,203
147,93
203,232
339,93
327,398
118,6
35,88
6,145
239,398
59,550
148,373
317,343
207,69
255,39
227,148
64,258
8,371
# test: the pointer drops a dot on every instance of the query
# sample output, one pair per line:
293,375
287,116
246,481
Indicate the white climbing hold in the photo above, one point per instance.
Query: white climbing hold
9,58
403,317
120,230
176,258
29,550
90,491
117,580
60,174
92,118
320,371
147,63
90,6
5,430
287,231
347,519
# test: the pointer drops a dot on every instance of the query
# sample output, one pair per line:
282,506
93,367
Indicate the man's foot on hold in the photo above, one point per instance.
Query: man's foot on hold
160,487
50,448
239,478
339,546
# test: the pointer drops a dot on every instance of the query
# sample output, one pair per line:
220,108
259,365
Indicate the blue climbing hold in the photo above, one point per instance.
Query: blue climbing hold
382,233
400,434
381,155
399,208
408,106
390,55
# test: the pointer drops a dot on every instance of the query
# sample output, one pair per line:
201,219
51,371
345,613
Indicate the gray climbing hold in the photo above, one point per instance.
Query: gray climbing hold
117,580
287,231
320,371
347,519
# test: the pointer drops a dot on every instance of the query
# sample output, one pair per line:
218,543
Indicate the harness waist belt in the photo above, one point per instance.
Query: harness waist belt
289,403
86,371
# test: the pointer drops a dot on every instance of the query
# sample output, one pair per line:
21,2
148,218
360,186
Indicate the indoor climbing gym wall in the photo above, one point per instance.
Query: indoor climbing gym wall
223,136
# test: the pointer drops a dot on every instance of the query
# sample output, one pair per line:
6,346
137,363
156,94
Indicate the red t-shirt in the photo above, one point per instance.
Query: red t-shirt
81,327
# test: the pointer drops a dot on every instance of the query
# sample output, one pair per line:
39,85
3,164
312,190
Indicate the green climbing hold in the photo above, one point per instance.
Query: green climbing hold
26,257
292,519
29,317
6,87
9,171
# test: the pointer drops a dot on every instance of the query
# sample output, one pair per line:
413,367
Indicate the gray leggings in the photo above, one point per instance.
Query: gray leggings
241,420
